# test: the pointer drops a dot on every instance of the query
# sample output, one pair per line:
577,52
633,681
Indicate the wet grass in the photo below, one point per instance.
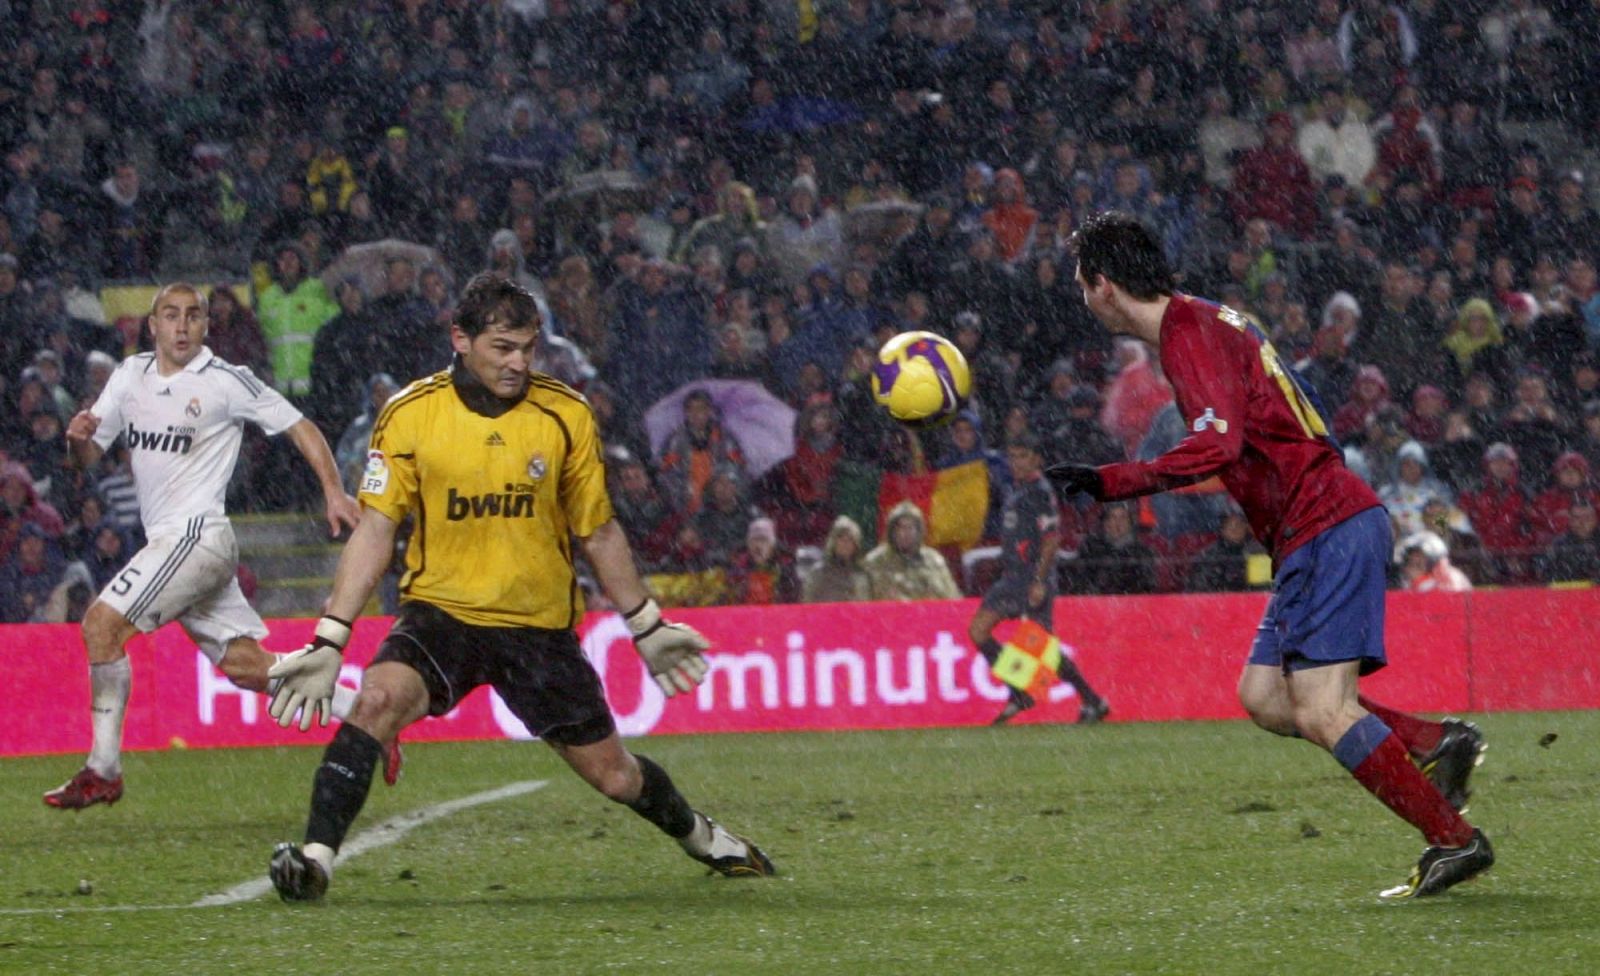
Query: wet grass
1204,848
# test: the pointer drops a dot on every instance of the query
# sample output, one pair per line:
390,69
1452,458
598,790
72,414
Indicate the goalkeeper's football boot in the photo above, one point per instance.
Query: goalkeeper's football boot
1020,702
84,789
393,758
733,856
297,877
1452,761
1443,867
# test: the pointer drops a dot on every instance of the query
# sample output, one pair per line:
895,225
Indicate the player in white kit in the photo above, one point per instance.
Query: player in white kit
181,411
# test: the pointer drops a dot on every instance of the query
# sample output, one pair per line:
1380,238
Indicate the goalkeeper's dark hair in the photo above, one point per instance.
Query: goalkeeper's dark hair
492,299
1119,247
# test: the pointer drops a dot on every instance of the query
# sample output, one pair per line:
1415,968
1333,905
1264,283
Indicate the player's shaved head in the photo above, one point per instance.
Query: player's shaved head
1120,248
168,290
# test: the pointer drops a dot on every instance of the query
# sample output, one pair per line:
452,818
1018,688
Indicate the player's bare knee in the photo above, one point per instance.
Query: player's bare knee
104,632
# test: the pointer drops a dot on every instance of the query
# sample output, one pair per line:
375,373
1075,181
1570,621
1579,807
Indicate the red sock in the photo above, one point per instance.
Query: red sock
1389,775
1419,735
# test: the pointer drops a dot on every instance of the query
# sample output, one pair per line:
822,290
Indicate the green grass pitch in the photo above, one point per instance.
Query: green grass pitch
1189,848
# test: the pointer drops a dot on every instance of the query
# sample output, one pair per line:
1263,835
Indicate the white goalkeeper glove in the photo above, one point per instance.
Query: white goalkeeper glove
302,682
671,651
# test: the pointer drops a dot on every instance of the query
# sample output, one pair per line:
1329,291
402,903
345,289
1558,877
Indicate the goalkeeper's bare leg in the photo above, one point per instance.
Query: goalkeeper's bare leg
640,784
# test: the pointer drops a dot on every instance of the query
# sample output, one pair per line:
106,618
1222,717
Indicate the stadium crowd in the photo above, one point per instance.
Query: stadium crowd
751,195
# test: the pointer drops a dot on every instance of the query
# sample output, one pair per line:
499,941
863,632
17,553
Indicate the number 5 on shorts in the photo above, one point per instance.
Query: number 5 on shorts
124,581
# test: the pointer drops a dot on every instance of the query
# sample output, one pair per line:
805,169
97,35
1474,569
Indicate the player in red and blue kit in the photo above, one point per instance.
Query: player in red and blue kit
1258,427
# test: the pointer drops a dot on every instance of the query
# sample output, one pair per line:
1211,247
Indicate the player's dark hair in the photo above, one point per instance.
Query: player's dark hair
491,298
1117,246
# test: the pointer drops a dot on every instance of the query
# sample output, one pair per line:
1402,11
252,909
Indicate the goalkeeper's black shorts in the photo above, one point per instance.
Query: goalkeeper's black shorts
542,675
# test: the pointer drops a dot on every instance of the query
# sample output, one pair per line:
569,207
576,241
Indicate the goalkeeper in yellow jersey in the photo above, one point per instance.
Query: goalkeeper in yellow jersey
501,469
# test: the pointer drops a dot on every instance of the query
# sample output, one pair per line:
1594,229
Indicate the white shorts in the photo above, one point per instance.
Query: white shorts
190,578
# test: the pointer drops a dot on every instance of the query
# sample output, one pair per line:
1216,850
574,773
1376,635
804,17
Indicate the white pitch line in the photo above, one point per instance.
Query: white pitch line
379,835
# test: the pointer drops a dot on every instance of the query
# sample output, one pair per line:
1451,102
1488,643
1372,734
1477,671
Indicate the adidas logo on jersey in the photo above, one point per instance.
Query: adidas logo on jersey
174,440
165,392
495,440
515,502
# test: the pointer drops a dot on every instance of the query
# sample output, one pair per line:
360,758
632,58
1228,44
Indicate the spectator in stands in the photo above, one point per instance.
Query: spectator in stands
1543,337
1394,331
129,223
1221,136
1425,565
1474,155
839,578
722,517
20,506
410,340
1571,483
1368,394
1112,558
697,448
1573,222
34,580
45,456
1134,396
806,235
1587,441
346,351
1575,554
658,316
108,550
762,572
401,187
901,567
1273,182
351,453
1013,223
1425,421
1477,345
738,218
1222,567
292,310
234,334
647,516
1499,510
1534,426
799,490
1576,384
1412,488
1336,141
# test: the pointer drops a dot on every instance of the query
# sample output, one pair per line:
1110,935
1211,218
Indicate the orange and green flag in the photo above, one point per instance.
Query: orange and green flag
1028,659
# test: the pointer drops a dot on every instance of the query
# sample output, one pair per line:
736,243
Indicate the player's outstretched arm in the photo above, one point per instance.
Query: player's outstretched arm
301,683
80,439
342,511
671,651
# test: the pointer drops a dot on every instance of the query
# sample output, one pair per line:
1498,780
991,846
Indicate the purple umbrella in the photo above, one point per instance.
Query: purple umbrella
763,423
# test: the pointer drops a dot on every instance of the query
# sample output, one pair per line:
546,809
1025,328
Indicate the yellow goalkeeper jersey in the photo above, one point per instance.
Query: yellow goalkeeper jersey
496,499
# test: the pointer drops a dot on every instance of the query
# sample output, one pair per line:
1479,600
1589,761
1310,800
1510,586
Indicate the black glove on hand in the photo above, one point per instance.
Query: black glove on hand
1070,479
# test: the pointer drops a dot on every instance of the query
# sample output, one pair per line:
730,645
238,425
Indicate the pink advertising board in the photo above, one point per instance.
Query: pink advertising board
861,666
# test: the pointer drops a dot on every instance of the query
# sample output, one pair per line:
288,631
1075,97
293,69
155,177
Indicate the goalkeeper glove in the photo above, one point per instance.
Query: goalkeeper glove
671,651
302,682
1070,479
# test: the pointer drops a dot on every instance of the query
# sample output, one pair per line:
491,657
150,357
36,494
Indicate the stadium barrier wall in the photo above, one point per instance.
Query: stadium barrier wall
863,666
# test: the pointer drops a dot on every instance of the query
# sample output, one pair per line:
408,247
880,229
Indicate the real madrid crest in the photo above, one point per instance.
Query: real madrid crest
537,467
193,409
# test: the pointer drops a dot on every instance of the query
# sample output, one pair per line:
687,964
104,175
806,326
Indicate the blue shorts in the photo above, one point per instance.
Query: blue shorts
1327,599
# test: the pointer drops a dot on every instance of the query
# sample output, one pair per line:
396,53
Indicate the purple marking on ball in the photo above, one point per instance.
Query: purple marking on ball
887,373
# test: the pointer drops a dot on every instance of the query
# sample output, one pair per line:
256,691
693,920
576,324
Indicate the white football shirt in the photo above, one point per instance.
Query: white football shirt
183,432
